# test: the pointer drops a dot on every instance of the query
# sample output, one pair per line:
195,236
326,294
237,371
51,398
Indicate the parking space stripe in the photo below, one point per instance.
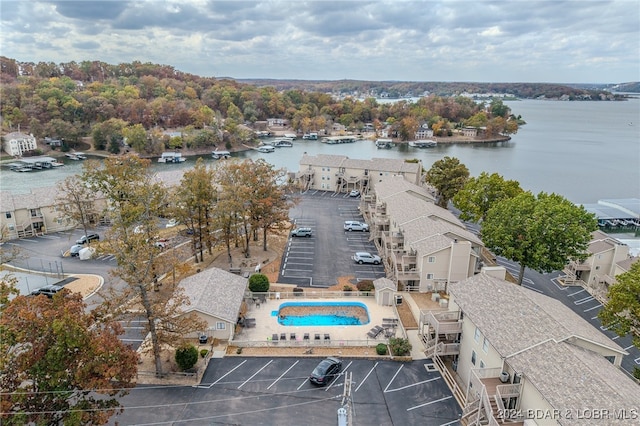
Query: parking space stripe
595,307
341,374
282,375
577,292
585,300
628,347
229,372
255,374
411,385
392,379
451,423
429,403
366,377
532,288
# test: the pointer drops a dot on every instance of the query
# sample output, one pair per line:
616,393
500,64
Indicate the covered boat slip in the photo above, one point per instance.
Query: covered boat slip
621,215
33,164
217,155
332,140
171,157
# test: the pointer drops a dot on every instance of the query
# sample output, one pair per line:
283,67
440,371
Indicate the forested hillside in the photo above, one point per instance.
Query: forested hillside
137,102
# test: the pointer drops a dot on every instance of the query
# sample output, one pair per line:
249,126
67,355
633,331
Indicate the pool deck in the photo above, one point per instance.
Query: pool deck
349,335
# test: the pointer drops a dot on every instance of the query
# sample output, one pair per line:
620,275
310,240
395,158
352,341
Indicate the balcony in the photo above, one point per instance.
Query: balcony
486,395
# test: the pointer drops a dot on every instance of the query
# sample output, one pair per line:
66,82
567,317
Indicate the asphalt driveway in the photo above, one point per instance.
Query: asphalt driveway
319,261
276,391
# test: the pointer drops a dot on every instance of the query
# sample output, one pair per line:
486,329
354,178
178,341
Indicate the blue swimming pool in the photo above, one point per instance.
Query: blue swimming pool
322,313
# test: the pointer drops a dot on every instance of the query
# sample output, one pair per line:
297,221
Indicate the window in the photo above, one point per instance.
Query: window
485,345
473,357
481,364
220,326
8,215
597,267
431,259
429,276
476,337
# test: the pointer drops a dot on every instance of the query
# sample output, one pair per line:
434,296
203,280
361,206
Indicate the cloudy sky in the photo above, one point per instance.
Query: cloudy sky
487,41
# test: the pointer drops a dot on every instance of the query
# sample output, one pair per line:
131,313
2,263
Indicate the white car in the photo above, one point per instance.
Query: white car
354,193
366,257
354,225
171,223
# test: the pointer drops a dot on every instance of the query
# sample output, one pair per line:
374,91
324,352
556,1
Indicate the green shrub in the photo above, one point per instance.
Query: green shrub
347,287
186,356
259,283
239,351
365,285
204,352
636,372
381,349
399,346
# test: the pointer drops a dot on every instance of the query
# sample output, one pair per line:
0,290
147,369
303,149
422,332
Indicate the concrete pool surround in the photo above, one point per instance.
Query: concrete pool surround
323,314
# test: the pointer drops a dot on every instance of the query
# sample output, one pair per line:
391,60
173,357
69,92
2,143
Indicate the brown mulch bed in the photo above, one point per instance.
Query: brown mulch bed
406,316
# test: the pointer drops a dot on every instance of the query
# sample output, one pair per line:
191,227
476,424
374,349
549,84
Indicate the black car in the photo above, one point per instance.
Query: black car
47,290
85,238
326,371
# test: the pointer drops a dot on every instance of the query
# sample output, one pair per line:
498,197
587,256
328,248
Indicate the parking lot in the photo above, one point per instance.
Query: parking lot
318,261
240,390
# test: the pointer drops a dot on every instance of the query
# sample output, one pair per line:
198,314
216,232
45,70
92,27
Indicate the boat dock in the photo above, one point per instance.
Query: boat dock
34,164
171,157
332,140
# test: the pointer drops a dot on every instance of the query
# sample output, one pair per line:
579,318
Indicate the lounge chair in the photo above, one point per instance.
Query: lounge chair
327,337
292,336
375,331
306,336
317,336
274,338
283,336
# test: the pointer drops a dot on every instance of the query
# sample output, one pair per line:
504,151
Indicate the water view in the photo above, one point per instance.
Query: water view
585,151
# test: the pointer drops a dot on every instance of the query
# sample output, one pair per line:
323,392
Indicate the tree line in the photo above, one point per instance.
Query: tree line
136,102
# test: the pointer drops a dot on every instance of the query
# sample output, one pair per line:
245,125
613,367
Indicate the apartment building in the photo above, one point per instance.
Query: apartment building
425,247
339,173
607,258
518,352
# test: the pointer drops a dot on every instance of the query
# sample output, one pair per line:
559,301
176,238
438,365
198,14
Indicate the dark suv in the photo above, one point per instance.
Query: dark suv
47,290
326,371
85,238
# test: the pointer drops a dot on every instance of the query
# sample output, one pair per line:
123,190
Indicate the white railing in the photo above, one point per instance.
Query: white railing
311,343
307,294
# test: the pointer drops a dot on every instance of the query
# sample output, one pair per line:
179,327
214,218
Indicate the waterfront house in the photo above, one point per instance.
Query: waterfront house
342,174
424,247
277,122
470,132
215,296
511,348
17,143
424,132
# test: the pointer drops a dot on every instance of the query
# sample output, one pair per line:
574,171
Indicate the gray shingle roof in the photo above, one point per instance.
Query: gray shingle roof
384,283
215,292
539,336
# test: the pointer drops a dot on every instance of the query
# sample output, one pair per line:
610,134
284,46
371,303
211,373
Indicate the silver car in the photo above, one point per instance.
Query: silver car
366,257
354,225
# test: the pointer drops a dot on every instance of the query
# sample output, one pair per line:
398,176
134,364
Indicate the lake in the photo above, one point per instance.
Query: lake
585,151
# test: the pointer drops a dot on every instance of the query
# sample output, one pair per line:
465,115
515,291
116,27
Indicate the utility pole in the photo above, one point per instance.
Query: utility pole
345,413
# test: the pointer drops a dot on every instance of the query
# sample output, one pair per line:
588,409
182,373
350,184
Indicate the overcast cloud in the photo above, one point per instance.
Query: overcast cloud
489,41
